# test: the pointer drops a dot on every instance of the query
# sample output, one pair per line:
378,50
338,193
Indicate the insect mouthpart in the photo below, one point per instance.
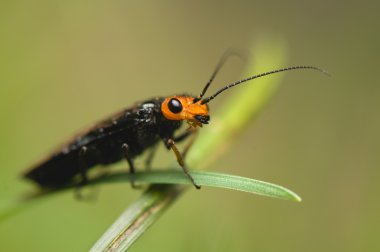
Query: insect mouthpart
202,118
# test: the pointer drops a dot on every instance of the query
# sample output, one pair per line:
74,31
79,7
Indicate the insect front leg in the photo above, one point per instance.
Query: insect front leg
170,144
125,149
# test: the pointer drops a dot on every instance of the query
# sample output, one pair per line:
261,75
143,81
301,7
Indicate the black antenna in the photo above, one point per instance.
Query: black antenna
227,54
208,99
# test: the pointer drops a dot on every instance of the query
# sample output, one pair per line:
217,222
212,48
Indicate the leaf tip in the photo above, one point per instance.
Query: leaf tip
297,198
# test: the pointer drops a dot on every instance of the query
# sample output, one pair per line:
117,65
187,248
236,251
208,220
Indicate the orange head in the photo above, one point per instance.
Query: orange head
184,108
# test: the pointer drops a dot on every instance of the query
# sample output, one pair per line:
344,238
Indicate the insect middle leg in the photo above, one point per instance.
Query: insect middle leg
170,143
127,156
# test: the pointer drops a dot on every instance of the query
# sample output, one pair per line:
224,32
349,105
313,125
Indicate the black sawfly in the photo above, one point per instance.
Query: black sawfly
132,131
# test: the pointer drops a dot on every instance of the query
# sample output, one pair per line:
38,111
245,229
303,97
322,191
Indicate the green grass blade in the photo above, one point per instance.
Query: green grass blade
205,178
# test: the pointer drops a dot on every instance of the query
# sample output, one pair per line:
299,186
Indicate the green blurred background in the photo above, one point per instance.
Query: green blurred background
66,64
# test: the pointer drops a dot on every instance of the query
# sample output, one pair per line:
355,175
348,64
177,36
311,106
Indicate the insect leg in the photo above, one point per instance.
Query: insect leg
170,143
125,149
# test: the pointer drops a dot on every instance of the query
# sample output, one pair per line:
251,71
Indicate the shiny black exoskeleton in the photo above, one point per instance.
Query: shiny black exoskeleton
125,135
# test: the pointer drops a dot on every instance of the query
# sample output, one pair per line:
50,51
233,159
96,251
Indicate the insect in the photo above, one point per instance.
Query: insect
132,131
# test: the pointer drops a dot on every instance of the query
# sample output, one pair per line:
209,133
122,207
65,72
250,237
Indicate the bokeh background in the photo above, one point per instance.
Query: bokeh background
66,64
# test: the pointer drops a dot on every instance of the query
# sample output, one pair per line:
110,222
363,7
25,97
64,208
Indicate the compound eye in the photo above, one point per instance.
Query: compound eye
175,106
